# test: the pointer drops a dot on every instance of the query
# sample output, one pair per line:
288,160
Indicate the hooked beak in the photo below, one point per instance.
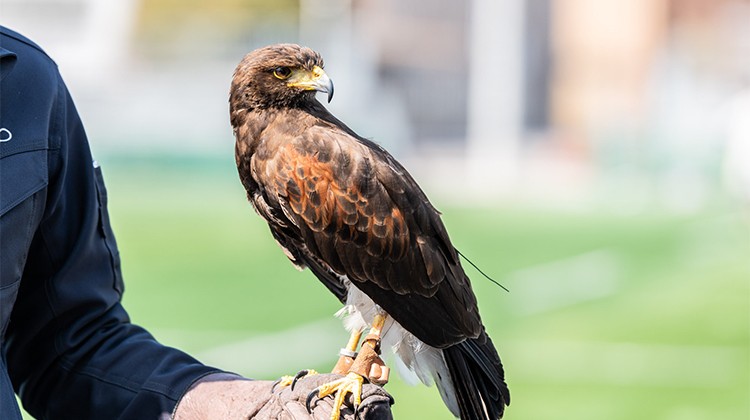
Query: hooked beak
317,79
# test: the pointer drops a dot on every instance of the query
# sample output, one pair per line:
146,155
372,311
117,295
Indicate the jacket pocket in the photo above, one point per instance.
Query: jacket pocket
22,174
23,177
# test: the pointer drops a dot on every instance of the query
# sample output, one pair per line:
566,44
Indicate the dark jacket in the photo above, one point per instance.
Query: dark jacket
68,347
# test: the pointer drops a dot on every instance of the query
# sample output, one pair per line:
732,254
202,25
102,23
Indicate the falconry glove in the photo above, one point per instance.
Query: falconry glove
289,404
228,397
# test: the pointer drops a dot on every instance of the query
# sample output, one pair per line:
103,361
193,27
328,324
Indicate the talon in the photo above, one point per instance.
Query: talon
301,374
310,396
283,381
288,380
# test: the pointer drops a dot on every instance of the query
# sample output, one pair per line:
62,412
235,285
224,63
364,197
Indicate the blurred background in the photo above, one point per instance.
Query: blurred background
592,156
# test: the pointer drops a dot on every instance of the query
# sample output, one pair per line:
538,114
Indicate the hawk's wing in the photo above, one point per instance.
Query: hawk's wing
344,206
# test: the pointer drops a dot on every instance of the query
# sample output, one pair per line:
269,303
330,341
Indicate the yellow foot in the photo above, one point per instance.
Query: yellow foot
288,380
349,384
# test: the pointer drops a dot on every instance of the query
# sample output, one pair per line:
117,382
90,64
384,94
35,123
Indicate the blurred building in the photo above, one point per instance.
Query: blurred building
567,99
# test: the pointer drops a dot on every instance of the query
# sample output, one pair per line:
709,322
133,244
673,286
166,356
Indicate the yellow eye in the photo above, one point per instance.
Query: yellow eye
282,72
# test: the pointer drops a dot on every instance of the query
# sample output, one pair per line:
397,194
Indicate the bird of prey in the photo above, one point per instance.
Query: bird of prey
342,206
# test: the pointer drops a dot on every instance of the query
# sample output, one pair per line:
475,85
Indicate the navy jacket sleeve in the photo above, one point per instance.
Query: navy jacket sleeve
71,349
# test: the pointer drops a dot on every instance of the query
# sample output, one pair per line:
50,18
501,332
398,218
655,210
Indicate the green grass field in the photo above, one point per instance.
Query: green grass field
609,317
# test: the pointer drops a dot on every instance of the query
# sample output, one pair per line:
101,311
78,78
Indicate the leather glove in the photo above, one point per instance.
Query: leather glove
229,397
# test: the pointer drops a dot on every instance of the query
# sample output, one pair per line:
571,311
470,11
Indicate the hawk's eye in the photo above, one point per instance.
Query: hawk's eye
282,72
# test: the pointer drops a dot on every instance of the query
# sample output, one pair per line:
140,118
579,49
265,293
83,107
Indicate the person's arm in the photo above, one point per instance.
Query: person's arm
71,349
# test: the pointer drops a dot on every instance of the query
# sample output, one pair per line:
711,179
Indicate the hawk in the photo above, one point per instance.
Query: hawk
342,206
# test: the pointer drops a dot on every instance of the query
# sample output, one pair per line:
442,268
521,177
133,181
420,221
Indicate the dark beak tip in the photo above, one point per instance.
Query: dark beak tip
330,93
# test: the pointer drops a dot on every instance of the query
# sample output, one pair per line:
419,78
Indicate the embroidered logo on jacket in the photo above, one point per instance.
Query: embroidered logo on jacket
5,135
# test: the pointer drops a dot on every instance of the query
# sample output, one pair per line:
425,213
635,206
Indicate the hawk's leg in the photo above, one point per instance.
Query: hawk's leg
347,354
367,366
368,363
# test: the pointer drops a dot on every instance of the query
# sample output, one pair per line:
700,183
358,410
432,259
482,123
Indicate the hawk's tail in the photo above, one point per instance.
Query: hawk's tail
478,379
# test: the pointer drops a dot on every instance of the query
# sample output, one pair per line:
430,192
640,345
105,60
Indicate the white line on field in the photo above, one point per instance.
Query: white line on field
575,362
280,353
564,282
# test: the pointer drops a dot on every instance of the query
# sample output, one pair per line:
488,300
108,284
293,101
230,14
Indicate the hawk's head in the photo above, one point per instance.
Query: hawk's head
279,76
